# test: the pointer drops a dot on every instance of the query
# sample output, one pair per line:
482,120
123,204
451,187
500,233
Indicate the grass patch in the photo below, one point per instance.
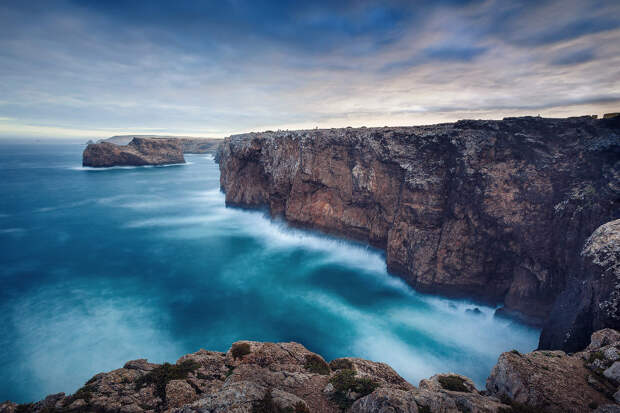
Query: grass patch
315,364
344,381
239,350
341,364
163,374
453,383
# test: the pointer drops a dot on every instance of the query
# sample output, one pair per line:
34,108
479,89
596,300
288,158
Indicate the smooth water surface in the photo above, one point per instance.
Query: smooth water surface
103,266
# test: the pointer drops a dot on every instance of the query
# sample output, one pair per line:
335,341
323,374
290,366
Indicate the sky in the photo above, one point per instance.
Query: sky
89,68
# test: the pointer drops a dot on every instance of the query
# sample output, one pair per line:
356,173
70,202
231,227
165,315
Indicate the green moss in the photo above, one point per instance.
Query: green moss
345,381
230,371
239,350
341,364
315,364
163,374
453,383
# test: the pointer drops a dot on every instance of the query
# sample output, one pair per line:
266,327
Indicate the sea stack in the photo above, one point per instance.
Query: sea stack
139,152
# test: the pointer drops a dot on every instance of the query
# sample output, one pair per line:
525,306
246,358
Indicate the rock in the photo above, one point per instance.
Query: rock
179,393
551,381
137,153
496,210
591,300
77,405
275,376
603,338
386,400
613,372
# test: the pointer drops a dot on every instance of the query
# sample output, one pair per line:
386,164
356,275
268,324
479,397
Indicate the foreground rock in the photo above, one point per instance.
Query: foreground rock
138,152
497,210
189,144
287,377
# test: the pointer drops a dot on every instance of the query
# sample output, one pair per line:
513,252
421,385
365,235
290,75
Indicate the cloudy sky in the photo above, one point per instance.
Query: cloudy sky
211,68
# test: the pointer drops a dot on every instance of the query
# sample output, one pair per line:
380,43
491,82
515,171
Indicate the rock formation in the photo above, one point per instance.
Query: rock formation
286,377
591,300
189,144
494,210
139,151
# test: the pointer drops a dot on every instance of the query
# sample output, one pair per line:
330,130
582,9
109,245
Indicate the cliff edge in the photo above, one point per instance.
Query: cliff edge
140,151
494,210
288,378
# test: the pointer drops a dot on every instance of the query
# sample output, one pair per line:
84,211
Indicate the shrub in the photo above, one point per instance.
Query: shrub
161,375
453,383
345,381
423,409
341,364
239,350
315,364
515,352
597,355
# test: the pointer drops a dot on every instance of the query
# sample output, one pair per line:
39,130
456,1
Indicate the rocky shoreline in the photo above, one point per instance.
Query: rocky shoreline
287,377
495,210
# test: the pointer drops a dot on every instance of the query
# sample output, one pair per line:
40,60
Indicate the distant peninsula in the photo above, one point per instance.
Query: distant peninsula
140,150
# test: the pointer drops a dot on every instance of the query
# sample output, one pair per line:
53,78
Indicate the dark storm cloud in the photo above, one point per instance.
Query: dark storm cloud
215,67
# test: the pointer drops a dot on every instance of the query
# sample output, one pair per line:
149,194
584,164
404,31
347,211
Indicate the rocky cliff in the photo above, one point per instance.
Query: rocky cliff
140,151
494,210
189,144
286,377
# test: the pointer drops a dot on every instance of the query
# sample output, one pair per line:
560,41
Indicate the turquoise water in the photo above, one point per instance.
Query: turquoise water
103,266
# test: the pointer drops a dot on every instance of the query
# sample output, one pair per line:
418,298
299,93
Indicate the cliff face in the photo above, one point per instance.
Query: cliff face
496,210
286,377
139,151
591,299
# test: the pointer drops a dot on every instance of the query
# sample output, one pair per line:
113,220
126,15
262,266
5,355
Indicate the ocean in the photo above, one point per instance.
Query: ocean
102,266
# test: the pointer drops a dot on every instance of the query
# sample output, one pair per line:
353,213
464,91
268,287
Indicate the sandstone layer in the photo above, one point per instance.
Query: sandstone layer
287,377
138,152
494,210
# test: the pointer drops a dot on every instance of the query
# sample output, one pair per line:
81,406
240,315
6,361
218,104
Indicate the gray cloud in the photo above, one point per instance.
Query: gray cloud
93,69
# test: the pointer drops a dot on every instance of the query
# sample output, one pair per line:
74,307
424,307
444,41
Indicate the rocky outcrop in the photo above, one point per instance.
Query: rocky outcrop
189,144
552,381
138,152
287,377
494,210
591,300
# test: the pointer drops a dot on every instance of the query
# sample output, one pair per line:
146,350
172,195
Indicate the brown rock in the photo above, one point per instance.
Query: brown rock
547,380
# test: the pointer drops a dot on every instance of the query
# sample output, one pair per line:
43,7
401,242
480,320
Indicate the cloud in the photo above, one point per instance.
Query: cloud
83,68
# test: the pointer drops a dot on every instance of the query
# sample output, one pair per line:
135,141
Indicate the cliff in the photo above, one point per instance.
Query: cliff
494,210
189,144
139,151
286,377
